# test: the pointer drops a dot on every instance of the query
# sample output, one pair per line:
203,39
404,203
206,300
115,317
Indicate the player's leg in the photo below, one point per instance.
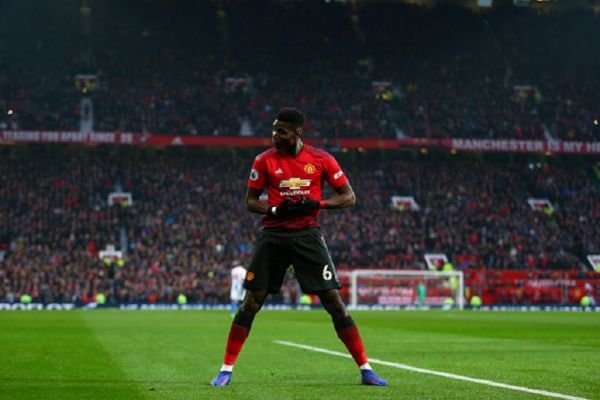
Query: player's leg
316,273
265,275
242,323
348,333
238,333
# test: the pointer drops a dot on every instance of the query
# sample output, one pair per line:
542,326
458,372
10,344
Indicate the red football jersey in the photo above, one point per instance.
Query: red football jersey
288,177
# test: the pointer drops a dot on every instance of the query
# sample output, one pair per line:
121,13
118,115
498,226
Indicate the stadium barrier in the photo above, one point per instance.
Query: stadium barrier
278,307
459,144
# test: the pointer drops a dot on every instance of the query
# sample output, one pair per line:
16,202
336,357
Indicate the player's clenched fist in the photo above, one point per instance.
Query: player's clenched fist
305,204
282,210
288,207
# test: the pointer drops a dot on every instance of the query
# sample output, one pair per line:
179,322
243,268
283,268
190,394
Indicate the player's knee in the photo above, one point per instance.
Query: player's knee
337,312
253,302
330,297
251,307
332,302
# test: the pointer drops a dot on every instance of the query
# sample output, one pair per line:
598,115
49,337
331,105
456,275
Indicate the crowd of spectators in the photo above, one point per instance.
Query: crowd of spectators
477,213
188,225
163,67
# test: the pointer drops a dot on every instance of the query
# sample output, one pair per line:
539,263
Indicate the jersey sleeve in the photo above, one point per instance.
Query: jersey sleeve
258,174
335,175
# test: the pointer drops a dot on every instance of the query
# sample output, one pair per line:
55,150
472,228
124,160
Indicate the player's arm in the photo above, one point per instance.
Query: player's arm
253,203
257,182
339,182
345,198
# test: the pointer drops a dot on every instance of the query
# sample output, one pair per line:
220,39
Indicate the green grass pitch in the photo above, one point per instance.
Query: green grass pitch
111,354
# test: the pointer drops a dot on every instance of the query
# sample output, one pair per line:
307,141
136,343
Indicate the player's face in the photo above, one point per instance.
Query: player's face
284,135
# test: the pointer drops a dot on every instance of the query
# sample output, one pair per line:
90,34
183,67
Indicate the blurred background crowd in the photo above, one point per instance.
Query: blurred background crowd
188,225
358,69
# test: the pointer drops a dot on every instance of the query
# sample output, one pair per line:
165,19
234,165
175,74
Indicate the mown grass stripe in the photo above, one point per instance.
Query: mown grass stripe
437,373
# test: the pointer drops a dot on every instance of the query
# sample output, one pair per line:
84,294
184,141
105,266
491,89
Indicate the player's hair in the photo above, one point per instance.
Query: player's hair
292,116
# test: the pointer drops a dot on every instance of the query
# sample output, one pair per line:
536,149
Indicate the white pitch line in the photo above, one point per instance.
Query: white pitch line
438,373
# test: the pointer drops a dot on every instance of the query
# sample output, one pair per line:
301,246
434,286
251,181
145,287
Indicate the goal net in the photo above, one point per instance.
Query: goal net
379,288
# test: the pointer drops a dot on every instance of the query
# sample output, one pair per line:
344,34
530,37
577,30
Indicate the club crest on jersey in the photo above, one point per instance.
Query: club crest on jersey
250,276
294,183
309,168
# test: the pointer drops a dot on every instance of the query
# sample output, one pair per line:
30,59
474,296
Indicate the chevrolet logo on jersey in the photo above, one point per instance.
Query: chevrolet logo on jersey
294,183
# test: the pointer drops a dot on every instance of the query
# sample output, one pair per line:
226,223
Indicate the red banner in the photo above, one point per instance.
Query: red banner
208,141
462,144
522,146
70,137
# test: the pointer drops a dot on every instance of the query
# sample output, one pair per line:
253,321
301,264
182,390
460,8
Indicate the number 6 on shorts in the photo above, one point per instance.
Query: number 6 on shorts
327,275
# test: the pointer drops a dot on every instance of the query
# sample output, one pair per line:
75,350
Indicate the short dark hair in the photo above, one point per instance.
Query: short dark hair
292,116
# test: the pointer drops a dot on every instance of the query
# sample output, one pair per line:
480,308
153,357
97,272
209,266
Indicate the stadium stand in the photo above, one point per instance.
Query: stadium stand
188,221
442,72
368,70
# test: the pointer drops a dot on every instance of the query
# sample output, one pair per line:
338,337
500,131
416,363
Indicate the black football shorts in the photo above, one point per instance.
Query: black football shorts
305,250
